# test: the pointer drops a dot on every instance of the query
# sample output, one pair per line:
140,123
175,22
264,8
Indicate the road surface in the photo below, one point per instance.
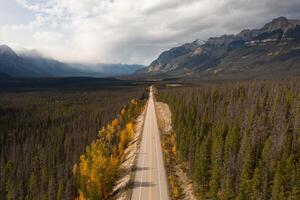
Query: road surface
150,177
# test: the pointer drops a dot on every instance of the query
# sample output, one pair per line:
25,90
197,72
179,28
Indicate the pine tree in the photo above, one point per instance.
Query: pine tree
244,186
295,194
256,183
201,171
228,192
216,164
266,177
59,194
32,186
10,193
278,185
51,188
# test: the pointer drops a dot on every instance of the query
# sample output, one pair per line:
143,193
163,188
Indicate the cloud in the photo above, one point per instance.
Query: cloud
48,36
136,31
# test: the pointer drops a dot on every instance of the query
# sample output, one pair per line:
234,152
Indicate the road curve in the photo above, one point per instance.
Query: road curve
150,177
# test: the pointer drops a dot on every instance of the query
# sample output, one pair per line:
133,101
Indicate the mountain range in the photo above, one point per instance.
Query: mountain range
33,64
271,50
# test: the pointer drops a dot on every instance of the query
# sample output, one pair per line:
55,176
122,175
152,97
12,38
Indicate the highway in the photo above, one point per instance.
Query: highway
150,181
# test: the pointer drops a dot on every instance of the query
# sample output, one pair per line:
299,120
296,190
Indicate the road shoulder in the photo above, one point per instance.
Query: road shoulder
180,185
123,188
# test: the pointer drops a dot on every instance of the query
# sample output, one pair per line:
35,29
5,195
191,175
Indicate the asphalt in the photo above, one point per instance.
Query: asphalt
150,181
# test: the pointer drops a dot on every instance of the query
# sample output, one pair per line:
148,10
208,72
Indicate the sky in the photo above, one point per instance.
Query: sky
128,31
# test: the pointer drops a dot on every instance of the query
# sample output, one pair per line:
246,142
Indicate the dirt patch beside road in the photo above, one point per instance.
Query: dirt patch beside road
122,190
164,117
180,185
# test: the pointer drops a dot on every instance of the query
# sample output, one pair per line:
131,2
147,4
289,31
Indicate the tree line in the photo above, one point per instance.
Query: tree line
239,140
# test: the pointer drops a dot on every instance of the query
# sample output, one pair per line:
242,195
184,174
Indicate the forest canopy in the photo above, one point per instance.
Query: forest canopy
44,133
240,141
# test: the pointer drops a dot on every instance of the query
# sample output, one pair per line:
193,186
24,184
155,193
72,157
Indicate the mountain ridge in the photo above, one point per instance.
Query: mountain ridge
33,64
249,53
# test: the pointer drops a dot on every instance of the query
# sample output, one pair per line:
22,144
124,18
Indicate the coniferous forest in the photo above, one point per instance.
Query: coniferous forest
43,135
239,140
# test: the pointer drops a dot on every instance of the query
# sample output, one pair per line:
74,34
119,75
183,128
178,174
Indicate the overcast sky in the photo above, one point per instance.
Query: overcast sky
128,31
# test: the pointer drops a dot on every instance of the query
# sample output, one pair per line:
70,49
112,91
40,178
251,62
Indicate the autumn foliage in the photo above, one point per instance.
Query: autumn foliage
97,169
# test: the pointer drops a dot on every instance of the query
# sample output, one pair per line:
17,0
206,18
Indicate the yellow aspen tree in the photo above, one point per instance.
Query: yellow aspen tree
130,130
123,112
115,123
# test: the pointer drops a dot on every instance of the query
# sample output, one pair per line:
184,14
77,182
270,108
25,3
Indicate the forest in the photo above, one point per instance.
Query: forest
43,134
239,140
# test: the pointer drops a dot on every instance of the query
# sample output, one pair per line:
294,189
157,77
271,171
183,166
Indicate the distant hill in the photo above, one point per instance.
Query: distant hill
118,69
270,51
4,76
32,64
108,70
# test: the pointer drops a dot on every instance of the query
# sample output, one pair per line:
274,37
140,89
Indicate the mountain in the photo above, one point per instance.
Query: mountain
10,62
4,76
272,50
6,51
117,69
33,64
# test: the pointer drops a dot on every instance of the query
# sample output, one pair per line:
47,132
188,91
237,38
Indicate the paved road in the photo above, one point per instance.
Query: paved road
150,177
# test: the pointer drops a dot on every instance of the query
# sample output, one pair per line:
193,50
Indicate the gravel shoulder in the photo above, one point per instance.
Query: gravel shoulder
122,189
180,185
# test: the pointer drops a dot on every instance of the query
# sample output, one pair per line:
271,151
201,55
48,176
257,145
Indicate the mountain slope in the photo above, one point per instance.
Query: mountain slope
32,64
10,62
117,69
271,50
26,65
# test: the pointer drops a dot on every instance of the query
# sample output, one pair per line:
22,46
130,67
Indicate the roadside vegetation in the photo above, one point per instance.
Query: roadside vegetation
98,168
168,142
170,158
42,135
238,140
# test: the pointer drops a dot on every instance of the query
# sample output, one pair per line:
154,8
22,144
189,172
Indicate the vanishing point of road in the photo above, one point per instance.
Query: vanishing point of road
150,177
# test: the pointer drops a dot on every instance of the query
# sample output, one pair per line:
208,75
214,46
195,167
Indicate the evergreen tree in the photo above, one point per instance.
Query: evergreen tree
51,188
59,195
278,185
256,183
244,186
216,164
10,193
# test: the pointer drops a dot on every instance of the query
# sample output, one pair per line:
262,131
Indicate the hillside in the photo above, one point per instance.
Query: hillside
33,64
272,50
25,65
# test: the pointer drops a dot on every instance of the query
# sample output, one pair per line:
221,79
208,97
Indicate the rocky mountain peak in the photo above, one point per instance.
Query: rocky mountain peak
282,23
234,52
220,41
